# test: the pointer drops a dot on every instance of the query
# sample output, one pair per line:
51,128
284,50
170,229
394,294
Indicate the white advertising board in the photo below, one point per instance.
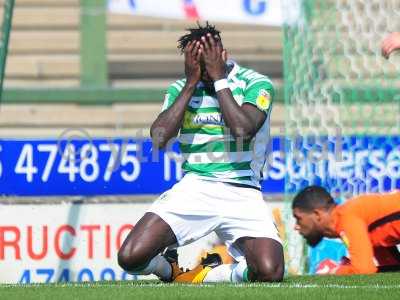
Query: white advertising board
42,243
263,12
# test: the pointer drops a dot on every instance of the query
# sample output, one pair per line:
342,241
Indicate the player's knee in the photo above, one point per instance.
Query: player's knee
269,271
130,258
124,259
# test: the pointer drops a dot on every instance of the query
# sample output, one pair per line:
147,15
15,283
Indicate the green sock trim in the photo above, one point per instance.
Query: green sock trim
246,275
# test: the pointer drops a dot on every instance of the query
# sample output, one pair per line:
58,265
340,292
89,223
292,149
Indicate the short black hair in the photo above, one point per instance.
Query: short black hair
313,197
195,34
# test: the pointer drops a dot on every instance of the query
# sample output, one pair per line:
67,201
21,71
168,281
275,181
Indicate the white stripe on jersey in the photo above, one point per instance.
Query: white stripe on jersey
203,102
197,138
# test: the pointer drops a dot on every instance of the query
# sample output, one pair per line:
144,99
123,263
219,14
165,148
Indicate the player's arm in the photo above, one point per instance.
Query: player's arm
355,235
168,123
244,121
390,44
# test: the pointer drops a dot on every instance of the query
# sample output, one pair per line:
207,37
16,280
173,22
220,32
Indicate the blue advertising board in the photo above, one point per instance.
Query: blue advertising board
131,167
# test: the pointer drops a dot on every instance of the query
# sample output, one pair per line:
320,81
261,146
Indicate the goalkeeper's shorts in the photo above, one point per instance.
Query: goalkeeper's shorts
195,207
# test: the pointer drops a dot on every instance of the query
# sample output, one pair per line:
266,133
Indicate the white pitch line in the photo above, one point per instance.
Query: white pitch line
163,285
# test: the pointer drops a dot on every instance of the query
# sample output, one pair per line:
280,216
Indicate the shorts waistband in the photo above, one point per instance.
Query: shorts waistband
243,186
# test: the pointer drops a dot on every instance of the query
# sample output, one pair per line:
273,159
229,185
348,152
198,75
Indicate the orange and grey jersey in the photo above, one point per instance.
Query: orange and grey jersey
364,223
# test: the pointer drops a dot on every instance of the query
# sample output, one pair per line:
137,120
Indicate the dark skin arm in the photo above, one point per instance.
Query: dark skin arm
168,123
244,121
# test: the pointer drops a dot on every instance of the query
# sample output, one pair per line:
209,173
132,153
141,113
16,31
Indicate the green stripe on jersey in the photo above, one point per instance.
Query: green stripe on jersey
215,147
203,110
215,167
200,92
212,130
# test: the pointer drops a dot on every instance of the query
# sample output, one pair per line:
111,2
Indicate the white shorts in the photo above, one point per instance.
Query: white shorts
195,207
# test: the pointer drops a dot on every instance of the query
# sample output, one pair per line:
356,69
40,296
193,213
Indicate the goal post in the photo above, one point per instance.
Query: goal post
342,103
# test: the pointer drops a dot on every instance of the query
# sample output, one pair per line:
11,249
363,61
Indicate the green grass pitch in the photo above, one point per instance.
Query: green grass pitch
380,286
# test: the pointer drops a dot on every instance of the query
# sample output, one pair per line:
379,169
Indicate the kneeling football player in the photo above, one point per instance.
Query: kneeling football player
221,112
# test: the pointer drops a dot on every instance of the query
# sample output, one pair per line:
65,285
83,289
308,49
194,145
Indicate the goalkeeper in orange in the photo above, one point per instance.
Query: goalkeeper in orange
369,225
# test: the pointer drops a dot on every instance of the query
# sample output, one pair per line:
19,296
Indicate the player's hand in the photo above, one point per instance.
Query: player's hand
213,57
192,62
390,44
327,266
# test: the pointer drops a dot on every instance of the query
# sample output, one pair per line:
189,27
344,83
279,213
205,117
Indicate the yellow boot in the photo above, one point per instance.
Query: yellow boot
198,274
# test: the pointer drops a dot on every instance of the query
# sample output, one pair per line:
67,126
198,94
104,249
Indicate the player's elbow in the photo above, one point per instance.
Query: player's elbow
158,137
243,134
162,136
159,143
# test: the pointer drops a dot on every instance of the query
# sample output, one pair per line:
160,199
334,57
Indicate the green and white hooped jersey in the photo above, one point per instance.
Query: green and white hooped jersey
205,141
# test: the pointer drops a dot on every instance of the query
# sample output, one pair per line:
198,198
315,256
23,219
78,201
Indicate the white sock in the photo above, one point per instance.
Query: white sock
158,266
228,273
240,272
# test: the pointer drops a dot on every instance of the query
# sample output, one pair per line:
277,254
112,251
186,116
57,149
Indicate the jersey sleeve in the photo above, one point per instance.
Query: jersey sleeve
354,233
260,93
171,95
